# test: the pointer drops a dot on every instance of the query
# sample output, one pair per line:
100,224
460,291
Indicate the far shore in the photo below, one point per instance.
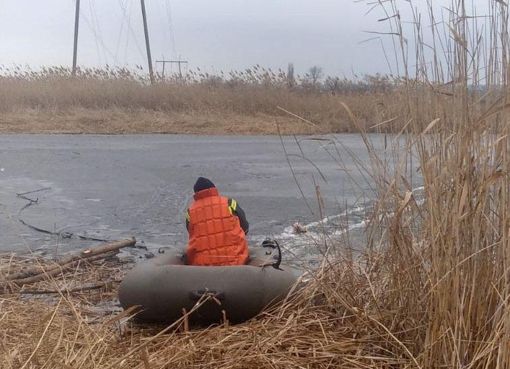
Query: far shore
140,121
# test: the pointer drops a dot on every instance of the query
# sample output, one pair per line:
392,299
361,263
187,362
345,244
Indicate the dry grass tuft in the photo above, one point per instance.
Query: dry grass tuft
317,326
431,290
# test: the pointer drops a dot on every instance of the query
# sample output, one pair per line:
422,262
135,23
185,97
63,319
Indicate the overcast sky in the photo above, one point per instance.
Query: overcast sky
216,35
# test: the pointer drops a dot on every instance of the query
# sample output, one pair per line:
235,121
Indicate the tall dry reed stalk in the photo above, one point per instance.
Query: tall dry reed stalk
444,289
430,291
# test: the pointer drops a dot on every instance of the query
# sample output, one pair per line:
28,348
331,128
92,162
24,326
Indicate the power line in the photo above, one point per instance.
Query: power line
99,40
127,36
170,28
94,31
94,16
120,37
85,18
128,21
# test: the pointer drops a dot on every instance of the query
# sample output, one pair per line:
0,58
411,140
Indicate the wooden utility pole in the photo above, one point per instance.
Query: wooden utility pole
146,30
76,24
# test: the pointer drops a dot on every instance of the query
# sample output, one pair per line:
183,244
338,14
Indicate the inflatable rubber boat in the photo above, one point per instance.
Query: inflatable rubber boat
165,287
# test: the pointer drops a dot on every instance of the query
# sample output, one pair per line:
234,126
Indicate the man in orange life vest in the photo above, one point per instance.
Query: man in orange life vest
217,228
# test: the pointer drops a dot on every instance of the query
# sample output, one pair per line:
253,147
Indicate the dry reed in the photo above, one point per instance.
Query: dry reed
77,328
430,291
122,101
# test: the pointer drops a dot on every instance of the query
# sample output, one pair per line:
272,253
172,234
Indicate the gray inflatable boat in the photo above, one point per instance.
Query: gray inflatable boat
165,285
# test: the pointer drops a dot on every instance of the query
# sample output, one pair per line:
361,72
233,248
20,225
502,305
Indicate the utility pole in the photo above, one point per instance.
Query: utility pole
76,24
178,62
146,30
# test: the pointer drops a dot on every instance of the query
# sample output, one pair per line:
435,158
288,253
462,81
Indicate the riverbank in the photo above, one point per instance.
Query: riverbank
141,121
115,102
79,324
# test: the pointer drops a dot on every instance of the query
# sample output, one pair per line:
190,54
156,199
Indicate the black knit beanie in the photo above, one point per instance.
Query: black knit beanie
202,184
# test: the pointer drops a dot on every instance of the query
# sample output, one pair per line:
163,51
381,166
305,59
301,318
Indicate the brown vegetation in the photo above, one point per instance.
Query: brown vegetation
432,288
118,101
73,327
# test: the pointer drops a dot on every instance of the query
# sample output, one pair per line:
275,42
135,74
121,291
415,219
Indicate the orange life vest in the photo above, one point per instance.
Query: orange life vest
215,234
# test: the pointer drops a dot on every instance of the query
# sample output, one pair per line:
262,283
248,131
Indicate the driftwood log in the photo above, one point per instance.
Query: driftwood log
58,269
41,272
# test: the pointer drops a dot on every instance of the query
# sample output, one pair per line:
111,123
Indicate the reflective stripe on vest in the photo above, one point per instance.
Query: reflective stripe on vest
232,207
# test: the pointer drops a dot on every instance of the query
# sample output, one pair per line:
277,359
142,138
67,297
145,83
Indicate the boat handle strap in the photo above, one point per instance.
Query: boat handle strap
197,295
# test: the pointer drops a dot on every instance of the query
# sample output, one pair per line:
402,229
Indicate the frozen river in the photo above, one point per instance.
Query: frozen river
111,187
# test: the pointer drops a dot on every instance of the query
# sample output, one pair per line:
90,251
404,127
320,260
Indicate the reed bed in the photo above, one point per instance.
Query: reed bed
61,322
122,101
431,289
254,101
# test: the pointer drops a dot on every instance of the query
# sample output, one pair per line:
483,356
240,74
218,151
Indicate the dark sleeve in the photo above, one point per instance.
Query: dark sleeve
239,212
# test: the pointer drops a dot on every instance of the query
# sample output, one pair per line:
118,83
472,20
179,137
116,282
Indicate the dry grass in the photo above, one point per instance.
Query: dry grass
79,120
60,104
119,101
431,290
316,327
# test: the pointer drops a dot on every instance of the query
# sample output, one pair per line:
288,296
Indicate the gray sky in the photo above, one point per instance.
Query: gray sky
215,35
